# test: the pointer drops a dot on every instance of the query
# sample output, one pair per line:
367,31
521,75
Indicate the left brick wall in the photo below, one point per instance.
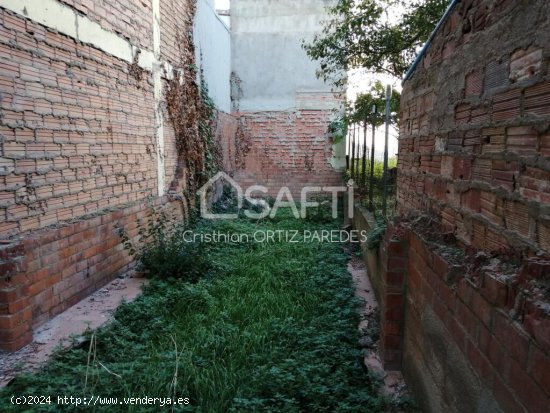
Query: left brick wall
79,156
52,269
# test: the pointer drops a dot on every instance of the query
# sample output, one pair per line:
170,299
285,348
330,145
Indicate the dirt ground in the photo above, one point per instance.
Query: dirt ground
394,384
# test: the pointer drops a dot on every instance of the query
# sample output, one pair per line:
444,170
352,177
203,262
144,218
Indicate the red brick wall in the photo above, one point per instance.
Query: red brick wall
473,160
226,128
288,148
503,335
172,14
78,157
465,339
78,129
391,293
52,269
474,139
131,18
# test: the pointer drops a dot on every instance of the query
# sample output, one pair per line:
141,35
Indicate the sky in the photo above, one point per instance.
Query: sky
222,4
358,82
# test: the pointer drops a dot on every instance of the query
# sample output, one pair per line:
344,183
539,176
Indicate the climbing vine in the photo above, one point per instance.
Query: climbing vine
213,154
192,113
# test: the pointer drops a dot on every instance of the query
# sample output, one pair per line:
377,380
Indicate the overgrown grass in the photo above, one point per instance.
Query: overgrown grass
270,327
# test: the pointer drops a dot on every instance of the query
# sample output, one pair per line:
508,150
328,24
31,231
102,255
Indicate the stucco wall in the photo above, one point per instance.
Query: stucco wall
268,59
213,50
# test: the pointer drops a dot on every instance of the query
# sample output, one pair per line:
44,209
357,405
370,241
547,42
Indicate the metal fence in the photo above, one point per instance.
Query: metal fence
375,180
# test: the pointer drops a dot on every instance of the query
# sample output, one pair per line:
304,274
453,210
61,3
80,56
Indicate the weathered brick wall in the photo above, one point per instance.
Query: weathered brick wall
50,270
78,156
226,128
485,335
172,13
130,18
466,340
474,139
77,129
288,148
473,332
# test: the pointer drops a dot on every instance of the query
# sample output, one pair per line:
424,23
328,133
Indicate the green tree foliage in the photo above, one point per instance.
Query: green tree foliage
361,34
361,109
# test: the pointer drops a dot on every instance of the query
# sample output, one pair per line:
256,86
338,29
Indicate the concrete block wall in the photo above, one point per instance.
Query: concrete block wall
85,146
474,127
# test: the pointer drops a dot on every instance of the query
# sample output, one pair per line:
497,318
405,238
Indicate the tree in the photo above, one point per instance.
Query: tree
359,34
361,109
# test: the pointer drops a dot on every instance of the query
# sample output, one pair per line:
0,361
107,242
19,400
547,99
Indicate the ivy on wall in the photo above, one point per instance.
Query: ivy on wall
192,114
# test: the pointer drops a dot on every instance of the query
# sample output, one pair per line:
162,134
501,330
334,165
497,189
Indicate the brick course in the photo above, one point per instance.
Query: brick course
482,329
85,147
288,148
53,269
77,158
489,119
480,170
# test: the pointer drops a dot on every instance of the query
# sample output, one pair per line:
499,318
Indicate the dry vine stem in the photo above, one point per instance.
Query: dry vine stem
190,116
243,145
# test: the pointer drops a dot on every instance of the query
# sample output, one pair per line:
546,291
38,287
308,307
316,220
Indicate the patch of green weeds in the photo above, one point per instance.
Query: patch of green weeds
271,328
376,233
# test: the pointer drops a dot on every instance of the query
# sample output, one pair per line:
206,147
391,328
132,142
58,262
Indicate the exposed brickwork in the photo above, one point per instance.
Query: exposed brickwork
483,318
78,154
78,157
173,15
226,131
394,261
289,148
478,334
485,106
77,129
473,157
53,269
130,18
